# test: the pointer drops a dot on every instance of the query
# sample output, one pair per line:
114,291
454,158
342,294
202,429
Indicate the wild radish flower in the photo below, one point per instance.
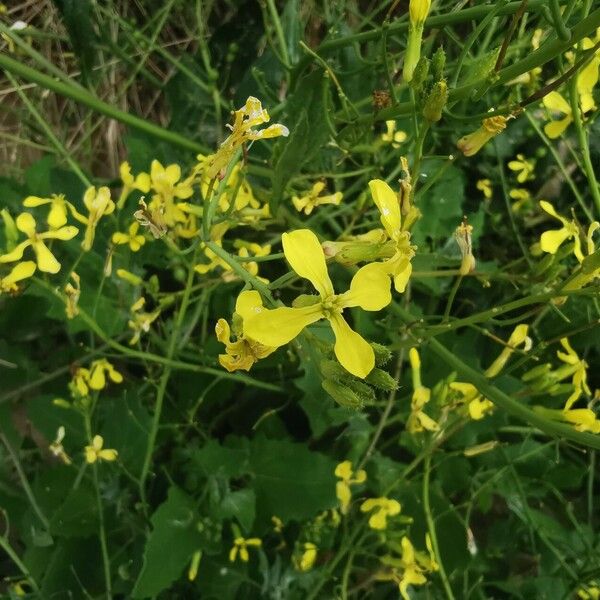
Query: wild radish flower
391,136
419,421
477,405
152,217
19,272
485,186
72,293
523,167
552,240
369,289
98,204
141,320
307,558
388,203
521,197
140,182
588,78
57,216
310,201
462,235
135,240
347,478
517,338
46,261
380,509
244,352
246,119
555,103
241,545
472,143
96,451
418,11
94,378
579,372
56,447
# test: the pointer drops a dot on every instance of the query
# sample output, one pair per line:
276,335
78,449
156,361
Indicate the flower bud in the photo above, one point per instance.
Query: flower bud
435,102
342,394
383,354
10,230
381,379
420,74
438,63
419,9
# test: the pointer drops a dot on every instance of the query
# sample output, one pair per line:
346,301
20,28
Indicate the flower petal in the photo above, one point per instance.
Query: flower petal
26,223
64,234
369,288
555,102
279,326
35,201
19,272
57,216
388,205
551,240
352,351
16,253
555,129
247,303
45,259
305,255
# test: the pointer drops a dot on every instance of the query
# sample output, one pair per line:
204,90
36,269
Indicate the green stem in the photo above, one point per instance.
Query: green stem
83,97
583,143
431,528
279,33
23,479
4,544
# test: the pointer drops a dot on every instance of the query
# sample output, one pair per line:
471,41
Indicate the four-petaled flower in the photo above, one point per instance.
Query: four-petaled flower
46,261
96,451
380,509
132,238
553,239
310,201
391,136
348,477
98,204
477,405
57,216
241,545
398,266
523,167
369,289
485,186
578,366
141,320
418,420
141,182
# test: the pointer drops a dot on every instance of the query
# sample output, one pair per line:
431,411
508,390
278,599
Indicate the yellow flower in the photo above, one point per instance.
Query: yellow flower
96,451
523,167
398,266
477,405
141,182
588,78
20,271
241,545
73,292
462,235
521,195
99,370
311,200
348,477
485,186
418,10
472,143
553,239
46,261
578,366
369,289
517,338
132,238
140,321
391,136
165,182
418,420
98,204
555,103
152,217
57,216
380,509
56,447
244,352
306,560
246,118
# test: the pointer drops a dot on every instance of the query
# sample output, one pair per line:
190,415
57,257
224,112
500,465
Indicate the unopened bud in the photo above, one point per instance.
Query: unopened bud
438,63
381,379
383,354
342,394
11,233
420,74
435,101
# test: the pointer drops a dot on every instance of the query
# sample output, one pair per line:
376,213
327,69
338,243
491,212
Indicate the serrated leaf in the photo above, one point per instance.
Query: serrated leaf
173,540
240,505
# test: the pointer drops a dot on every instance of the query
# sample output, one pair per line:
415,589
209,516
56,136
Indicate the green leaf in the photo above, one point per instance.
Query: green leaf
173,540
291,482
240,505
215,459
78,515
307,123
